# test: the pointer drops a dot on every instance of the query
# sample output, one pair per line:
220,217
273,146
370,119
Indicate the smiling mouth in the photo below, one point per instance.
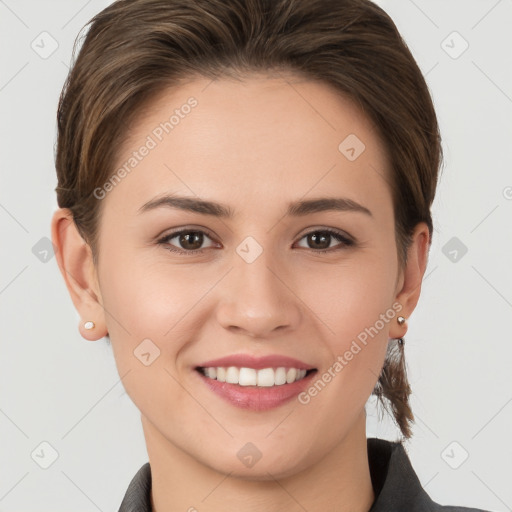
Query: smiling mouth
265,377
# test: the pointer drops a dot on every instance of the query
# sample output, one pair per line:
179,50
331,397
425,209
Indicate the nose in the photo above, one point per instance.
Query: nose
258,299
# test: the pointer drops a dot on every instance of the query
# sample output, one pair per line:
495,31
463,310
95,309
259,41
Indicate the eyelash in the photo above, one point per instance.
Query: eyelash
346,242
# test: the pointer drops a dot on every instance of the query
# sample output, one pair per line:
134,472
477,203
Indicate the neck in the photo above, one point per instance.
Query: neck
340,481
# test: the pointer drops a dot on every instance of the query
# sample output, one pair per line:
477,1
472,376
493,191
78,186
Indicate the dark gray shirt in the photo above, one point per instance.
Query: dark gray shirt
395,484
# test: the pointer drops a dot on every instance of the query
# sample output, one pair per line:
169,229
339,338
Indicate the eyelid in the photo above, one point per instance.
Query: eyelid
301,234
345,240
163,239
315,229
175,231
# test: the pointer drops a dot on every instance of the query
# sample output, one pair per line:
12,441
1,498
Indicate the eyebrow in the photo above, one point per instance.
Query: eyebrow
295,209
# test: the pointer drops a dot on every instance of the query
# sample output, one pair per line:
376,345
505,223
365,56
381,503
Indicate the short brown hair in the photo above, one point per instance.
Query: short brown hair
135,49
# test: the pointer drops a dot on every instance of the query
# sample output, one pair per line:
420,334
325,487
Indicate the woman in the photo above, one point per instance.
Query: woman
245,193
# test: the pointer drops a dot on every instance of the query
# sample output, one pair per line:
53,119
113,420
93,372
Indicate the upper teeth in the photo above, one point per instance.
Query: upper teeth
251,377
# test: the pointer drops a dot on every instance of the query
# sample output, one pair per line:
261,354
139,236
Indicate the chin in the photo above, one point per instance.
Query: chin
261,470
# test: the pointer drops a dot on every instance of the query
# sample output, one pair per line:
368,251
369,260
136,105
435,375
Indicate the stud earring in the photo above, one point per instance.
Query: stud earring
89,325
400,320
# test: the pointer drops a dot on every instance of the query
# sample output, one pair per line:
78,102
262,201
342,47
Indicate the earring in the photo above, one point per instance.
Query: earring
89,325
401,321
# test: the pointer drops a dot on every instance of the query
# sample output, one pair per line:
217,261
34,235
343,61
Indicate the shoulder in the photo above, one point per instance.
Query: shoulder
451,508
396,484
138,495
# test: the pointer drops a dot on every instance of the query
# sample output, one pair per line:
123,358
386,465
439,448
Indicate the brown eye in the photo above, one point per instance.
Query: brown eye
188,241
191,241
320,240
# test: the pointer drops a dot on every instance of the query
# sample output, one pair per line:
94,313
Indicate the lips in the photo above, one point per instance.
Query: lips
255,398
258,363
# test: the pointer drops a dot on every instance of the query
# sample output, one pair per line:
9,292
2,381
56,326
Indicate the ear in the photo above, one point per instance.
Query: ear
410,279
74,257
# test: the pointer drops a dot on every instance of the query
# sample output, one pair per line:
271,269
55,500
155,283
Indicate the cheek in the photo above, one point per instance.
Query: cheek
149,309
142,290
353,306
147,297
350,296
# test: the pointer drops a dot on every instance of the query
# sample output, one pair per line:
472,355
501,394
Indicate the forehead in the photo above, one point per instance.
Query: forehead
276,138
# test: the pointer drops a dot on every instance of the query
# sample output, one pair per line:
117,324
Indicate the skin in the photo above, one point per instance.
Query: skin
255,146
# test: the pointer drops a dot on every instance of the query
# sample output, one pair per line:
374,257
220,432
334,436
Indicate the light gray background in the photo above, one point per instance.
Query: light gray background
57,387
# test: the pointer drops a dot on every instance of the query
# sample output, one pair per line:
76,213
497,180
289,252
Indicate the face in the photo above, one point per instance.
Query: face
276,274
